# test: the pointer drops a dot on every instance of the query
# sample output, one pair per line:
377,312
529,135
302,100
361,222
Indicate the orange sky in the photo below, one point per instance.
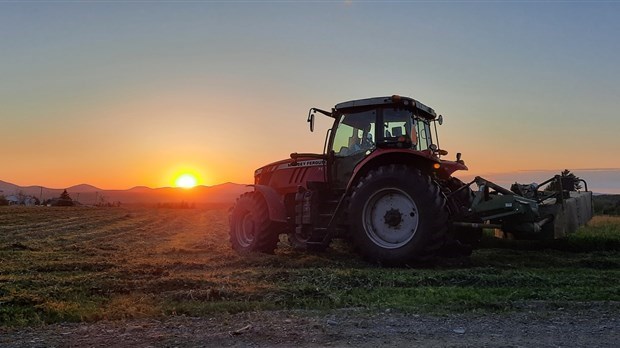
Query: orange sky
121,95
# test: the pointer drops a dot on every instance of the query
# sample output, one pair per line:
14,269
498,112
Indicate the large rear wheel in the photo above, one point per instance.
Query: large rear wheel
398,216
250,227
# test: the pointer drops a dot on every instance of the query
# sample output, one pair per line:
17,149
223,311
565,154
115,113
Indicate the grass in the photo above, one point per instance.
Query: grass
88,264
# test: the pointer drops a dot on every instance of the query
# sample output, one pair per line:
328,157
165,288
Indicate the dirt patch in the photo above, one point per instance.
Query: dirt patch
595,325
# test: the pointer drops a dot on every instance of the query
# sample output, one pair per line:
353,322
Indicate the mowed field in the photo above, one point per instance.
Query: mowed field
89,264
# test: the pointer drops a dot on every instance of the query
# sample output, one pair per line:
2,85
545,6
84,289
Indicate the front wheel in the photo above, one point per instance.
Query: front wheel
250,227
398,216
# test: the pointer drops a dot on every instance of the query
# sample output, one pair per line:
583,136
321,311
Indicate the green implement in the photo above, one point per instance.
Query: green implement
525,212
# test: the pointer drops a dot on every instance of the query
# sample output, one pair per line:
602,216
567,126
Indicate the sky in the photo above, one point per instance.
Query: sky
121,94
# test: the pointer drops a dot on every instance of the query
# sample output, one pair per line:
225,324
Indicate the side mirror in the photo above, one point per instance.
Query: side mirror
440,120
311,120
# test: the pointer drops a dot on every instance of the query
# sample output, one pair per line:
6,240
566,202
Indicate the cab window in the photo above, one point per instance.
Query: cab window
424,135
355,133
397,123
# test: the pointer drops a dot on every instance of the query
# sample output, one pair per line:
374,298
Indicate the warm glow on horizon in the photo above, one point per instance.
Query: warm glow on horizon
116,103
186,181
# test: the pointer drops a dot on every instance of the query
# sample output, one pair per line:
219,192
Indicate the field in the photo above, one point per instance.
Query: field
89,264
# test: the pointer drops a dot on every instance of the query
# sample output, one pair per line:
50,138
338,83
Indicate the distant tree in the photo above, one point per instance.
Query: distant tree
606,204
64,200
21,197
616,208
3,200
101,201
65,195
555,185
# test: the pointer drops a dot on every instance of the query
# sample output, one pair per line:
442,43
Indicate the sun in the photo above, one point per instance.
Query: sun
186,181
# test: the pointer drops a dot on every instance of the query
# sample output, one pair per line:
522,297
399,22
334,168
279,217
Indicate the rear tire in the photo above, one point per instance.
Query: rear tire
398,216
250,227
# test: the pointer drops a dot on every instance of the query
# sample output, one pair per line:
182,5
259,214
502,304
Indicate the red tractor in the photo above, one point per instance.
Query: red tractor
380,183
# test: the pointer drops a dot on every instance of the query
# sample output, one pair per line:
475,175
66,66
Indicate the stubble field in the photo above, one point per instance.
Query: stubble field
84,264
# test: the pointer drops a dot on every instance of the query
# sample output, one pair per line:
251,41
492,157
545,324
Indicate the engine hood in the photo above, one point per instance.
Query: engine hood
287,175
290,163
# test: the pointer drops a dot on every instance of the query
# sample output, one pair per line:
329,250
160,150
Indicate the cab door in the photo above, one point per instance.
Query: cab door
353,138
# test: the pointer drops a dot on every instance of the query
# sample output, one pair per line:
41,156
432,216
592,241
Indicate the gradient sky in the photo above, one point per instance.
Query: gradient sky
124,94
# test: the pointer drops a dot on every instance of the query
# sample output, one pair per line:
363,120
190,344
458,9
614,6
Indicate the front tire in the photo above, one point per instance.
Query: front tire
250,227
398,216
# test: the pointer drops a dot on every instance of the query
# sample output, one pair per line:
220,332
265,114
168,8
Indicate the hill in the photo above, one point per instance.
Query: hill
83,188
88,194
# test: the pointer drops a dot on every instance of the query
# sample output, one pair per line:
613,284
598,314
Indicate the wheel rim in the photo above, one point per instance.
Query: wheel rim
246,230
390,218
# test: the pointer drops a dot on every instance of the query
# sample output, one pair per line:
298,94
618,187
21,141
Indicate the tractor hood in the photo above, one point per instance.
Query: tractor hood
272,166
290,173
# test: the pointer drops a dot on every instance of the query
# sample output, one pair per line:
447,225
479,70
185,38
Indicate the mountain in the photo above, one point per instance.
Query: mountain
88,194
140,189
7,188
83,188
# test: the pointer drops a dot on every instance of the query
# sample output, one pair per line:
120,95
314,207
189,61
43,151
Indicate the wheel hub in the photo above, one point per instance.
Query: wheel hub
390,218
393,217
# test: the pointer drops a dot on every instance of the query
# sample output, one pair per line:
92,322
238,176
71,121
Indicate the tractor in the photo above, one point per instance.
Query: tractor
381,183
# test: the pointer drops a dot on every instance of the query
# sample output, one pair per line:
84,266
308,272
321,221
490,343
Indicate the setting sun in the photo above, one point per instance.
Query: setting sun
186,181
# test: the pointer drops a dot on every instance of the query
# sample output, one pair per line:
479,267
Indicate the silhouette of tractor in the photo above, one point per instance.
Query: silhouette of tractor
382,184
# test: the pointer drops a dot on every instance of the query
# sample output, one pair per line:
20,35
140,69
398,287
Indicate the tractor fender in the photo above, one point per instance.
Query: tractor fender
382,157
277,211
392,156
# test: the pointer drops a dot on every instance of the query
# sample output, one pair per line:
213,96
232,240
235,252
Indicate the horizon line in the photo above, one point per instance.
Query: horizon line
116,189
543,170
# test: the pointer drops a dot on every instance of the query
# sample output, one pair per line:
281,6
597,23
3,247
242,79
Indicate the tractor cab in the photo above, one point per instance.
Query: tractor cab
374,126
391,122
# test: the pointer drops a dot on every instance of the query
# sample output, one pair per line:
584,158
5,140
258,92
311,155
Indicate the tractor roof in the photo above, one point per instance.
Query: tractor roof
405,102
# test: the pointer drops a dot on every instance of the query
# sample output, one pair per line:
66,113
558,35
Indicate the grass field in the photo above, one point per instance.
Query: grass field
86,264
